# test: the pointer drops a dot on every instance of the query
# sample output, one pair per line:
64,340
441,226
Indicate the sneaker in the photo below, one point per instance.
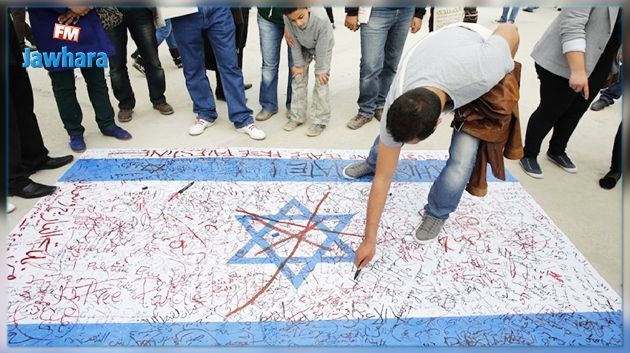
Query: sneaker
315,130
178,62
253,132
291,125
500,20
138,66
264,115
117,132
600,104
164,108
125,115
378,112
200,126
358,121
77,143
531,167
357,170
428,229
563,161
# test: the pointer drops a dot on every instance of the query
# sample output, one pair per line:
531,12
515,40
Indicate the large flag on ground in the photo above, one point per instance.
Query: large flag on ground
252,247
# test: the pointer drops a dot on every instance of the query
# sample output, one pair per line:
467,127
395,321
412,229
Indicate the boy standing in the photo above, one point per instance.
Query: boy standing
313,37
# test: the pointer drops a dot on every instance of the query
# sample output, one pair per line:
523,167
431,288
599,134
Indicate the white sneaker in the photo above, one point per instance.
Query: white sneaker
253,132
10,207
200,126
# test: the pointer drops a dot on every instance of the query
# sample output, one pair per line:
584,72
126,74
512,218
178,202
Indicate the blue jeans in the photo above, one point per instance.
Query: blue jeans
166,32
512,17
139,21
216,23
271,35
612,92
447,189
382,42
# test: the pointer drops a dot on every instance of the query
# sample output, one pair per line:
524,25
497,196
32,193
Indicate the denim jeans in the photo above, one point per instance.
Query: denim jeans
320,107
382,42
218,25
271,35
139,21
513,13
166,32
448,187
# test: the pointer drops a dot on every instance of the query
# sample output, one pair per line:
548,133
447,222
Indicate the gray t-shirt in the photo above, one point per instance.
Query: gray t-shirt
464,62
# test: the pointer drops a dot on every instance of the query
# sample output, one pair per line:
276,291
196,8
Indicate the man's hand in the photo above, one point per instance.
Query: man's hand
416,24
73,15
365,252
352,23
578,81
323,78
297,70
288,38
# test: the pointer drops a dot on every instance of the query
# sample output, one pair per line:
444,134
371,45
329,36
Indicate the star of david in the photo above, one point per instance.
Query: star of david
275,226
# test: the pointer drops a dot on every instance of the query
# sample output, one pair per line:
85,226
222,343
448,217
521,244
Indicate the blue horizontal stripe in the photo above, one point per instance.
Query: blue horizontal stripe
241,169
589,329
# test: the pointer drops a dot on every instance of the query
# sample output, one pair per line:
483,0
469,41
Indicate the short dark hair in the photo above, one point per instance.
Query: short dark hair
413,115
289,10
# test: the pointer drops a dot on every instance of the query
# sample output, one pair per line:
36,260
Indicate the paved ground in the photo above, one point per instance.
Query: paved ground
589,215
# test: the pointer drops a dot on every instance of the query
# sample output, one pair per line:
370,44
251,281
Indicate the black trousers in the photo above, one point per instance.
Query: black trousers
26,145
561,108
615,163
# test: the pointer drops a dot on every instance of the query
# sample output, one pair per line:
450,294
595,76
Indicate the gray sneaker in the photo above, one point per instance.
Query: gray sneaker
264,115
357,169
429,229
358,121
315,130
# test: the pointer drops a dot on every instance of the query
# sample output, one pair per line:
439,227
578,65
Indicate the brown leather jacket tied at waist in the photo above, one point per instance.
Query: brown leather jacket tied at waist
494,119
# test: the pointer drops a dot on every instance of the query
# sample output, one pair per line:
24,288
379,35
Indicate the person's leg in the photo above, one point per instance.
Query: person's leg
555,98
504,14
188,31
394,45
513,13
221,36
321,99
64,90
614,174
612,93
447,189
270,35
373,38
299,86
170,38
119,76
289,77
373,155
142,32
19,23
99,96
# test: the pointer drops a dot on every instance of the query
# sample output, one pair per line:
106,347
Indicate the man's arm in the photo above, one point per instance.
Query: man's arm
386,163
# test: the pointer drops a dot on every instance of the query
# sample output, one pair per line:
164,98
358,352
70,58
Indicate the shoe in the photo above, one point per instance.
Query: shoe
291,125
378,112
178,62
253,132
177,58
10,207
600,104
200,126
315,130
55,162
138,66
247,86
428,229
531,167
117,132
33,190
610,180
264,115
164,108
357,170
563,161
358,121
500,20
77,143
125,115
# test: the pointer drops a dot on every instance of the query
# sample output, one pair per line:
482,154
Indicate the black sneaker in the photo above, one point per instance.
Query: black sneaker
563,161
600,104
531,167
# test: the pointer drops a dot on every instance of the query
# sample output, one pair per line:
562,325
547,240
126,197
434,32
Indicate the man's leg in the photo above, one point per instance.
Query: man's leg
118,66
449,186
270,35
64,90
221,36
321,99
362,168
99,97
299,86
188,31
142,32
